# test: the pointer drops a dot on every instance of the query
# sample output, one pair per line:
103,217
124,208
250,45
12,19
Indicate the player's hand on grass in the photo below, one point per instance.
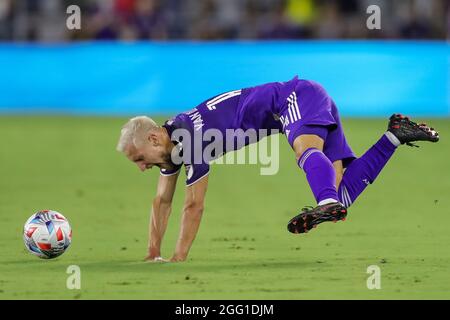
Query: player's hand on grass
160,259
151,258
154,255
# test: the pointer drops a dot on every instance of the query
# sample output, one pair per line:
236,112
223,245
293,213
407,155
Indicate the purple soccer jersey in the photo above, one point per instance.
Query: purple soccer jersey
294,107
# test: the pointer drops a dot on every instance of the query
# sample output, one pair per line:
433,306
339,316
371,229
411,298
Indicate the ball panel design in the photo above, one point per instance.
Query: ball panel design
47,234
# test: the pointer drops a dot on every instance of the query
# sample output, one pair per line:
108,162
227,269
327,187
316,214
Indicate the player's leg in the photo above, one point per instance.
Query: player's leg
307,125
319,170
364,170
323,177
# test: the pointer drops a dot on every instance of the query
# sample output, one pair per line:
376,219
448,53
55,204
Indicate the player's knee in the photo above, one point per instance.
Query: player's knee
305,142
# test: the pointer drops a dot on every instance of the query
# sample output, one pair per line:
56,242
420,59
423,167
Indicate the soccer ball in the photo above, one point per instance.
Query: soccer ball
47,234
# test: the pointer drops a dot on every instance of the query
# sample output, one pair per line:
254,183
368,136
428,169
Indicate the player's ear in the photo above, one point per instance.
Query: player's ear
153,138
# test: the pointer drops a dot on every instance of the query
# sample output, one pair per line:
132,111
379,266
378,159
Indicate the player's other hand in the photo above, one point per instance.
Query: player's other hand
178,258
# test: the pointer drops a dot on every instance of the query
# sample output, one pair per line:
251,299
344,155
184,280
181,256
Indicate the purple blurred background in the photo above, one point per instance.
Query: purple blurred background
129,20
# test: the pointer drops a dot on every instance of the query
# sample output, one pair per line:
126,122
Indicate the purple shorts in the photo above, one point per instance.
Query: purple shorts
310,110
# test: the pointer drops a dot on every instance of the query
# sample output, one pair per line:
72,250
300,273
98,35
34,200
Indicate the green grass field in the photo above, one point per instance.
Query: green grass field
243,251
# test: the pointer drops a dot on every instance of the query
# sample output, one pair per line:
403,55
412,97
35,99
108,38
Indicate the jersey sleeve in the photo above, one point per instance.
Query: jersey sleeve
166,172
186,150
196,172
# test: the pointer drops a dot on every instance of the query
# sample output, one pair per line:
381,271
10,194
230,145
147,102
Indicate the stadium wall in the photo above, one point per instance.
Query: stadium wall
364,78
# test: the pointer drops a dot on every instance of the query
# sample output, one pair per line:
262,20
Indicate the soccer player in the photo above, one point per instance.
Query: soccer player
300,109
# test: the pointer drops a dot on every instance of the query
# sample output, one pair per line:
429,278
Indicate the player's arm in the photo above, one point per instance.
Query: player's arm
161,208
190,221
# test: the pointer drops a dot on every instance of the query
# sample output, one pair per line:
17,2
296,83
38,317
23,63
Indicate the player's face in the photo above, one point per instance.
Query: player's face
148,155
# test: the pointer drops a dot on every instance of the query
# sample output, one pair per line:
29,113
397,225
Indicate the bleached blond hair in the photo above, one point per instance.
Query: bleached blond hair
135,131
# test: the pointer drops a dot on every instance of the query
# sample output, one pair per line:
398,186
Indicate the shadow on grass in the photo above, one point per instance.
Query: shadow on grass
203,266
108,265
